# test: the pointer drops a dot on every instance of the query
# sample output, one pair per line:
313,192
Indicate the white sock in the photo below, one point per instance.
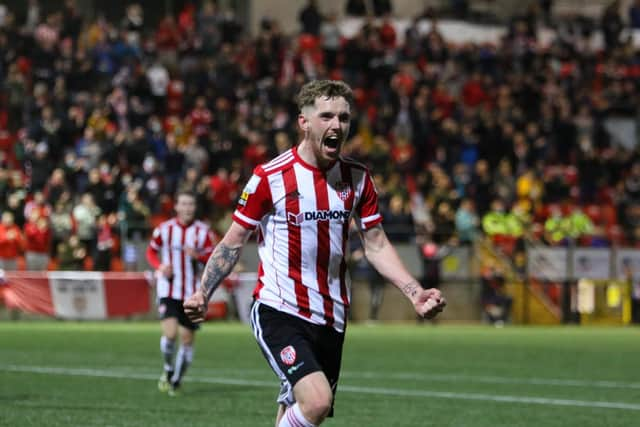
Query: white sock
183,360
293,418
167,348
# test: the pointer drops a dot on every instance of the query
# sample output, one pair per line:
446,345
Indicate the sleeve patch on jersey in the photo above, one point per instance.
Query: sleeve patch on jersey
243,198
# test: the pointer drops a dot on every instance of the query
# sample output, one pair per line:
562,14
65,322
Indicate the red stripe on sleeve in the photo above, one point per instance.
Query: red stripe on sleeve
207,247
152,257
368,205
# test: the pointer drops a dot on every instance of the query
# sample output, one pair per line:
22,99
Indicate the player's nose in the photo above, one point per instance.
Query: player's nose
334,123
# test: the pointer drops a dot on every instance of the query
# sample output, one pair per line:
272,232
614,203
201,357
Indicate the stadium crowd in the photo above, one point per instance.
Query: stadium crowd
101,122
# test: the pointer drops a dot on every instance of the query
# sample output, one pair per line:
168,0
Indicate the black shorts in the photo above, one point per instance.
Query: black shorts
295,348
169,307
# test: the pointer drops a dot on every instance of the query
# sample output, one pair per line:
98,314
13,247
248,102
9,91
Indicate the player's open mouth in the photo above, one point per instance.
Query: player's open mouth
332,142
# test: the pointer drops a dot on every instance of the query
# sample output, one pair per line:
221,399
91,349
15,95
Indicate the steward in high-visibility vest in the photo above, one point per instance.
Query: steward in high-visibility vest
555,226
498,222
579,224
493,222
575,225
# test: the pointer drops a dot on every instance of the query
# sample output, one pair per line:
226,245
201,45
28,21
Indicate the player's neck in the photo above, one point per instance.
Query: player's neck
306,154
184,223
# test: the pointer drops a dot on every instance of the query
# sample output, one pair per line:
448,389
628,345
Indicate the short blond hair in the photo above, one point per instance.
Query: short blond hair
323,88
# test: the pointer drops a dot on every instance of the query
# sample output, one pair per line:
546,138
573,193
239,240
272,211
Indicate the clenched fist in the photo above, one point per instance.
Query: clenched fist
429,303
195,307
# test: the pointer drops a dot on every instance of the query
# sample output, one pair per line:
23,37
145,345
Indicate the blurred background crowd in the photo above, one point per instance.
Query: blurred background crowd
101,121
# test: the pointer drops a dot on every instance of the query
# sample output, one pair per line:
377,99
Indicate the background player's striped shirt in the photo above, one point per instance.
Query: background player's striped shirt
168,241
303,216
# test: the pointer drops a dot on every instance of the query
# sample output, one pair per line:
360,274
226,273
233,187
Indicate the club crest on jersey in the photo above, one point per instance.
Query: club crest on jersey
344,190
288,355
295,219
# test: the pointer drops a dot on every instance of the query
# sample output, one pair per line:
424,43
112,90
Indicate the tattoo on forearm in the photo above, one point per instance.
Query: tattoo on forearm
218,267
410,289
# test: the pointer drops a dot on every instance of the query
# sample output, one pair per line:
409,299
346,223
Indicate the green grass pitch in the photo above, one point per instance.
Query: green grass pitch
104,374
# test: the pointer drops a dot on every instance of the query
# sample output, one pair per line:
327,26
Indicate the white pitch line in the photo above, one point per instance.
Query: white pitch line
343,388
483,379
494,379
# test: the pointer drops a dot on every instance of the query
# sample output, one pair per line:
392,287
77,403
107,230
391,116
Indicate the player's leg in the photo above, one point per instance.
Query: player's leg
169,327
313,403
313,400
286,342
184,358
315,392
281,410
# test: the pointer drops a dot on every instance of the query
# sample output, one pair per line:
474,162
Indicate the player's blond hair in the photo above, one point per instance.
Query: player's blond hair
323,88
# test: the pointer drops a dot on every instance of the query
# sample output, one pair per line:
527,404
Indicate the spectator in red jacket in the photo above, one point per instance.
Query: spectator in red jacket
39,205
200,118
38,236
11,242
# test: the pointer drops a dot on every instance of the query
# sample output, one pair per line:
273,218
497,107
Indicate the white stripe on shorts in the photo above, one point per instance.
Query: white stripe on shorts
286,391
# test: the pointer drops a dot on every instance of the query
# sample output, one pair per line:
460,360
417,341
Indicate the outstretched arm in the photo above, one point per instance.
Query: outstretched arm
384,258
222,260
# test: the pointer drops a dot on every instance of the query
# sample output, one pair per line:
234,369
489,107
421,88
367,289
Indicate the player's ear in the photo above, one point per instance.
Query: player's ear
303,122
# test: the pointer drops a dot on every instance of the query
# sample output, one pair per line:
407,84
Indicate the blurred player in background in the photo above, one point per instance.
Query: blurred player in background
301,202
177,250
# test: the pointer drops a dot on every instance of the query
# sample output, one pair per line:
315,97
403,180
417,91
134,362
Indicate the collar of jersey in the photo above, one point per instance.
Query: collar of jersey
183,225
311,167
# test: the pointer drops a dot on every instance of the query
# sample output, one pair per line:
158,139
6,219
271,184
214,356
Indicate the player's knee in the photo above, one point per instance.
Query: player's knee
316,408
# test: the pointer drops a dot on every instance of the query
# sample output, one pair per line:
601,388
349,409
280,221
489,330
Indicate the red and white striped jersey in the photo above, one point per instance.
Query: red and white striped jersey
169,239
303,216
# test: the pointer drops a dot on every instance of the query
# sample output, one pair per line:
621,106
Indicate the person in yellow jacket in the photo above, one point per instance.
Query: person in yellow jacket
555,227
579,224
493,222
499,222
574,226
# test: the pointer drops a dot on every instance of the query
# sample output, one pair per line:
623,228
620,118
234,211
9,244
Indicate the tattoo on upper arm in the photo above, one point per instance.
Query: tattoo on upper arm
375,240
218,266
